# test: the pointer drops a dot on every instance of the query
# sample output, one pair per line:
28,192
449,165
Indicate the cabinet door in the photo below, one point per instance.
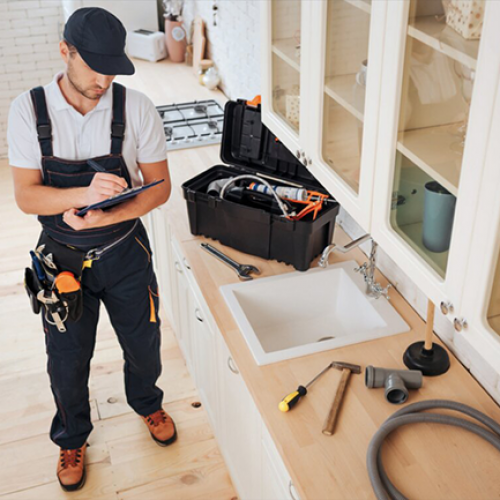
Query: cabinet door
204,361
183,305
346,61
285,77
431,149
276,482
240,438
159,235
481,299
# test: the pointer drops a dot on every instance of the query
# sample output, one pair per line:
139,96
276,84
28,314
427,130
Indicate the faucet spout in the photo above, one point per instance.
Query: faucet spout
323,262
367,270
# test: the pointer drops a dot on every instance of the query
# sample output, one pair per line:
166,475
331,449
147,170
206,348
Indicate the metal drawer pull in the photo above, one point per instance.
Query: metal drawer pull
460,324
230,363
198,316
178,266
291,489
186,263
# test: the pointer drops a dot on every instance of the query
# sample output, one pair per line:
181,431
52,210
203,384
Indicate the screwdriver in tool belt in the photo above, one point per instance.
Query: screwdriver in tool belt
288,402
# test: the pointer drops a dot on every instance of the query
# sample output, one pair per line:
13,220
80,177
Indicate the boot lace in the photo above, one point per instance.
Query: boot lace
70,458
156,418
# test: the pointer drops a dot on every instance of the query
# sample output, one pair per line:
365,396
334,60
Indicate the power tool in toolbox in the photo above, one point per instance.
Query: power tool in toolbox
57,292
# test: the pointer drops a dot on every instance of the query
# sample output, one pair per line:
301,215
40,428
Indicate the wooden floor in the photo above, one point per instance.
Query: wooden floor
123,461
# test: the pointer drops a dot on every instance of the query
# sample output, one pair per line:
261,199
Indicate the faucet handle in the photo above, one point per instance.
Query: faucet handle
377,291
362,268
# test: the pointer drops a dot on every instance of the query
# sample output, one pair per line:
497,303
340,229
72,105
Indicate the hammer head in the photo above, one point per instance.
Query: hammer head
347,366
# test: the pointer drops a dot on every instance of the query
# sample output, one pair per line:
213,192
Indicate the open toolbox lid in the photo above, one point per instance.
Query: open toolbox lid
248,143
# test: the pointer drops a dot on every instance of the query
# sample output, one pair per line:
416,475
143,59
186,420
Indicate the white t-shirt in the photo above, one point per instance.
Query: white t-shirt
78,137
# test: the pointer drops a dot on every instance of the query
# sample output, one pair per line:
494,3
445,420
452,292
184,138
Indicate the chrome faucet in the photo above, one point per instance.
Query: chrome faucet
373,289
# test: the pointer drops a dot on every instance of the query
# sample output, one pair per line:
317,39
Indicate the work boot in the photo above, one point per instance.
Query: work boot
162,427
71,468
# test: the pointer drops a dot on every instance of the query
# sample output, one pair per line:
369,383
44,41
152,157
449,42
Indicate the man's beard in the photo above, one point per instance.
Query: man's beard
78,88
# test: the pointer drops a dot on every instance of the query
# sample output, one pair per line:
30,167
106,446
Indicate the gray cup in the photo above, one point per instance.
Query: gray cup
439,211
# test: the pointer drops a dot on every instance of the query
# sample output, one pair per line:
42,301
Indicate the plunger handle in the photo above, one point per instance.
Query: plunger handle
429,327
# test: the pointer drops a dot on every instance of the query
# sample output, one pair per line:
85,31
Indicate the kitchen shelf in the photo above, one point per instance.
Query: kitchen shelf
412,234
442,38
341,89
363,5
429,148
285,48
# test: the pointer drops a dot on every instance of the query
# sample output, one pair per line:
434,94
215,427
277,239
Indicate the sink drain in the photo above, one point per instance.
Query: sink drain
322,339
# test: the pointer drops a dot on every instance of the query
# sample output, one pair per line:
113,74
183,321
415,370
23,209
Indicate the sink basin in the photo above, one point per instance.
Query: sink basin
296,314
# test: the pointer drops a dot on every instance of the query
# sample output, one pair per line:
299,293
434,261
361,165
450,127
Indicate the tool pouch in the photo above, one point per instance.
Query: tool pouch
74,301
66,259
33,286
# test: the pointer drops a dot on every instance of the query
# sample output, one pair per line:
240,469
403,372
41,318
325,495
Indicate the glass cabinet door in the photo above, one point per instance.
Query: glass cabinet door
439,72
286,60
346,69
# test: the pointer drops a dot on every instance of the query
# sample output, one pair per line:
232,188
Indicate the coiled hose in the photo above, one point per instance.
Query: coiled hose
382,486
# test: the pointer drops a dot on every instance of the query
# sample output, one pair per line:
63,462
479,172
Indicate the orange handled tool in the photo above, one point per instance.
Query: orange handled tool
66,282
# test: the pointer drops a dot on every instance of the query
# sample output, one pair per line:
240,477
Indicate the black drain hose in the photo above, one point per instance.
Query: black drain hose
382,486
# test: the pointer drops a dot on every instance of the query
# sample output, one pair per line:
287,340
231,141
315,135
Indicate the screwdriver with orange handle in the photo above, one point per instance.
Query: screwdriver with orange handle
288,402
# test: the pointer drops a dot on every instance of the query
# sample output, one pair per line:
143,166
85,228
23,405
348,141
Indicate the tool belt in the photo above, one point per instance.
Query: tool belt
53,282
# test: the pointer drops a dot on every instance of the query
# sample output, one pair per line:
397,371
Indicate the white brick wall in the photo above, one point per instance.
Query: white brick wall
233,44
29,54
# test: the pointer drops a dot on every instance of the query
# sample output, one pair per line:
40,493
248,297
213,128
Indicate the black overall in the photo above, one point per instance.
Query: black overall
122,278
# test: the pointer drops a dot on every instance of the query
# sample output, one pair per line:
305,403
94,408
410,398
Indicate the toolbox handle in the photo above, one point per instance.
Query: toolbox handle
255,101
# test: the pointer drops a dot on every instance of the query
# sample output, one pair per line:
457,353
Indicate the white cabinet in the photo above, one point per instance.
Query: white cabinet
431,149
182,306
285,39
276,482
240,436
481,298
402,141
204,360
231,410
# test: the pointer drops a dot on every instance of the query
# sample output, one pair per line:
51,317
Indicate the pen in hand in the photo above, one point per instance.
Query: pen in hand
96,166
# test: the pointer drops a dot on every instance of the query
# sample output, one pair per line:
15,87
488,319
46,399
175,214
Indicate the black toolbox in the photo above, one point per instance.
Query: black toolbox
248,147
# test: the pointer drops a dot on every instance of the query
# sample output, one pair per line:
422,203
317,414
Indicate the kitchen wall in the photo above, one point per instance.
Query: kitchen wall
233,44
29,55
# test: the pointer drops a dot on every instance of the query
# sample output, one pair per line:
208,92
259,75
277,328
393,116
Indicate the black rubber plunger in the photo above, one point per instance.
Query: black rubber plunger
431,359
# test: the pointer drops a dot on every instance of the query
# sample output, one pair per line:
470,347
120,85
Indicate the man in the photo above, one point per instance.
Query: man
52,133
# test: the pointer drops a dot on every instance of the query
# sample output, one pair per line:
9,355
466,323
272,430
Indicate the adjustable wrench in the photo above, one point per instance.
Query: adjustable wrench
242,270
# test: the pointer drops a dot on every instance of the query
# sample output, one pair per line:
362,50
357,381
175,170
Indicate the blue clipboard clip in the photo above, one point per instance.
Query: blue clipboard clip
125,195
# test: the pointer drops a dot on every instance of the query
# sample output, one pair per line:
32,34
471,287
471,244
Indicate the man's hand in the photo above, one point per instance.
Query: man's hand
92,219
103,186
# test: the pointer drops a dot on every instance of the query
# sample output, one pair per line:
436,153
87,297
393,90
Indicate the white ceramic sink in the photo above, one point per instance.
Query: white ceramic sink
295,314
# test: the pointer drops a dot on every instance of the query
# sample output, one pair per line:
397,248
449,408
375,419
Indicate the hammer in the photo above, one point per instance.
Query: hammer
347,369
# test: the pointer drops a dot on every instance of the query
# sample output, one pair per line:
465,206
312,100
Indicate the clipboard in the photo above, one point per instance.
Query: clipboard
118,198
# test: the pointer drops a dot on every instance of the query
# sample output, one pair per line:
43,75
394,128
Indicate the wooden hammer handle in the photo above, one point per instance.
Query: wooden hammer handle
331,420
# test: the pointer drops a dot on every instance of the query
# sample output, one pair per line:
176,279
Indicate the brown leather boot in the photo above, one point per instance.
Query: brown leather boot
162,427
71,468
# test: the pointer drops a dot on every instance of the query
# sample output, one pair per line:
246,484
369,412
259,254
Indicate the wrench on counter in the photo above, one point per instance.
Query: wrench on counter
242,270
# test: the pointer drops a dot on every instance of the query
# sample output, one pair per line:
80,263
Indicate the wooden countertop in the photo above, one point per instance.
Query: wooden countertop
424,461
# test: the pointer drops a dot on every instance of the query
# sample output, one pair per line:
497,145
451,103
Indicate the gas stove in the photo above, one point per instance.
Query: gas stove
192,124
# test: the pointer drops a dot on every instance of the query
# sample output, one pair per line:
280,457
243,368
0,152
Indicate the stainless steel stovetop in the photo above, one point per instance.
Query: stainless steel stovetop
192,124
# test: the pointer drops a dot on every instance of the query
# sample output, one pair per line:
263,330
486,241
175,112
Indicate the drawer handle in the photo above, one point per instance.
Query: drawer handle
197,315
186,263
230,363
178,267
291,489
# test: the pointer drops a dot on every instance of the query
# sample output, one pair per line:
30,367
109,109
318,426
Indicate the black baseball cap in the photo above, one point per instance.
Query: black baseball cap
99,37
